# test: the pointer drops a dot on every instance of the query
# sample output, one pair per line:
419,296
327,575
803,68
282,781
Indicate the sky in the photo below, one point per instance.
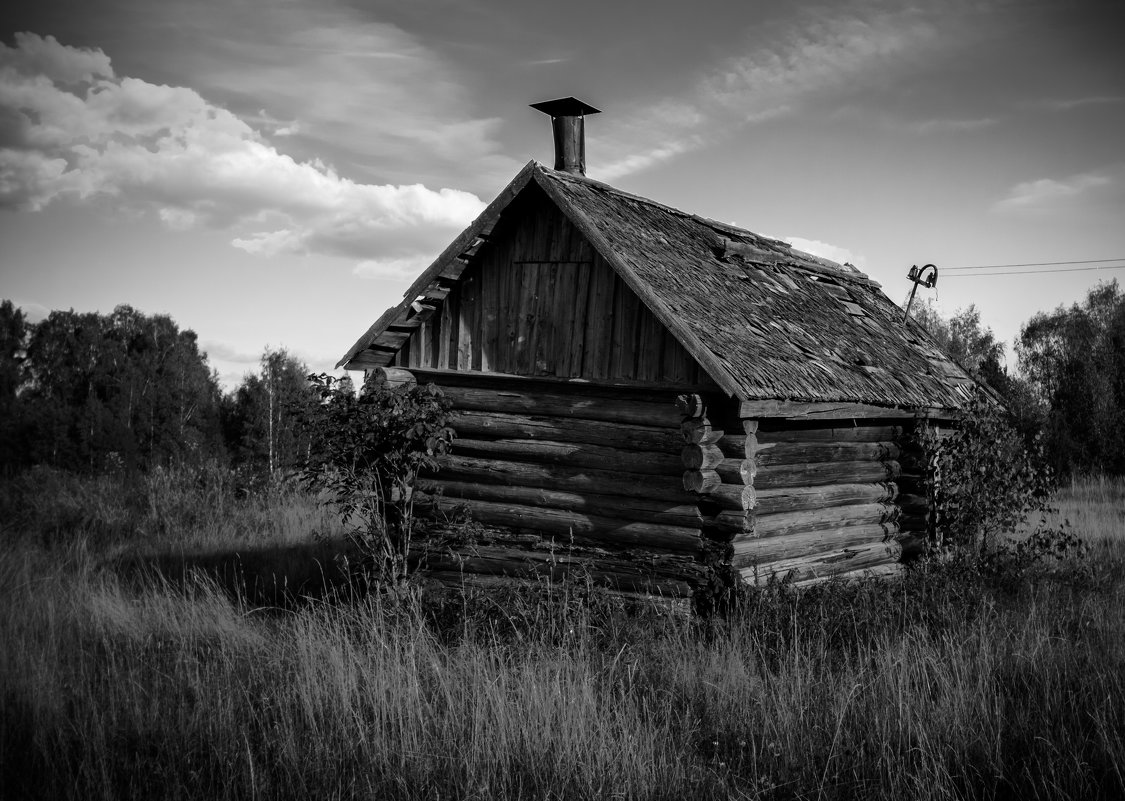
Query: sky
274,173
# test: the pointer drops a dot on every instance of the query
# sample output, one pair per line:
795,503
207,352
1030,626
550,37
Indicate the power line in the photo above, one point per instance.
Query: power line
1039,272
1033,264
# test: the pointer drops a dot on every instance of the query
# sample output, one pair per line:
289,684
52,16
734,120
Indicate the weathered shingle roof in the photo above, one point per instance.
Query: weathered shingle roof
765,320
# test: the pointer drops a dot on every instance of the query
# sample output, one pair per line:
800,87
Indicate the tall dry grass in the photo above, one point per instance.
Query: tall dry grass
941,686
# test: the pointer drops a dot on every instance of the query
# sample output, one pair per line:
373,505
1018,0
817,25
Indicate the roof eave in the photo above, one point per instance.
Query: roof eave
484,220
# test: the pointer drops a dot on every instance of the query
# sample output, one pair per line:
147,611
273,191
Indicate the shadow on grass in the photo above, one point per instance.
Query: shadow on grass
277,575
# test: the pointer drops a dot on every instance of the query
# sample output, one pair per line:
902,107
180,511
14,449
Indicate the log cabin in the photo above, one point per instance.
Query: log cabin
647,395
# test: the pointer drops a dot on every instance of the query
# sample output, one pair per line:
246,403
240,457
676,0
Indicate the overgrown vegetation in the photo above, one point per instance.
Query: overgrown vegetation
946,685
369,450
174,627
1069,389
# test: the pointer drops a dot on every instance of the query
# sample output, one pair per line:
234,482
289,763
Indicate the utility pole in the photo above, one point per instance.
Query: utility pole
916,274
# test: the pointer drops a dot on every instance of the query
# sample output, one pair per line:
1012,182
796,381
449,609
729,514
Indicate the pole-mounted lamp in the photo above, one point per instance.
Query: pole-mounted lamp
918,276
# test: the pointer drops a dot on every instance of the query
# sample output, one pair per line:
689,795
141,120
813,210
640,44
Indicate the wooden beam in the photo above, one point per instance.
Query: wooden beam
795,499
606,389
820,474
564,479
530,401
615,506
751,551
822,565
701,481
864,433
798,410
783,524
883,572
578,526
701,457
787,453
486,425
572,454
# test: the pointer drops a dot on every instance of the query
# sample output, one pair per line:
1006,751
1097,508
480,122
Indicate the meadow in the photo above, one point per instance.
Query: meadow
129,669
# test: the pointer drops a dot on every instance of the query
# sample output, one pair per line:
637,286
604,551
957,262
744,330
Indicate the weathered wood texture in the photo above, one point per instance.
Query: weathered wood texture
785,431
743,525
537,300
557,461
618,506
883,572
764,551
567,479
572,454
826,564
515,400
481,425
576,526
806,487
526,560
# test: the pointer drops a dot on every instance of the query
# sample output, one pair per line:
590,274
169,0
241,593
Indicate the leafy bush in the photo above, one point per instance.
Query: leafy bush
984,486
369,449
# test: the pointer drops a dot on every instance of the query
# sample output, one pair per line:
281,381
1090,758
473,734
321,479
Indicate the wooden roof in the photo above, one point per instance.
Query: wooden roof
764,320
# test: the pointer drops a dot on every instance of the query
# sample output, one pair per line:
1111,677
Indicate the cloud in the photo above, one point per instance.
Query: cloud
406,267
1079,102
1043,193
950,125
366,91
228,353
777,77
32,312
70,129
234,363
825,250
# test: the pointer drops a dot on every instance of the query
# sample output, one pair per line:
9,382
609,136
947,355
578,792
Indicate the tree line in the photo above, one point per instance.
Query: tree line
93,392
1068,391
128,391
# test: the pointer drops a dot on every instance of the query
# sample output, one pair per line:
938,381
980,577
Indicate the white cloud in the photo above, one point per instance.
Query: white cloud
228,353
1048,192
32,312
776,77
45,56
366,91
1079,102
826,250
72,129
826,53
950,125
406,267
235,362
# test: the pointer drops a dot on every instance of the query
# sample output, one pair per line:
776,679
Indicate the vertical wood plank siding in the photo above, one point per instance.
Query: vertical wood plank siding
538,301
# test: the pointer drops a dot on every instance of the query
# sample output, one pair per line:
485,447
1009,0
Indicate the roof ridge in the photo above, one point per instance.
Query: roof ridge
818,263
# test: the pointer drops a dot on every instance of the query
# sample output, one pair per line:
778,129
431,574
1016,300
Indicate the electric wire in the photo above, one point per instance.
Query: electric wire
1033,264
1035,272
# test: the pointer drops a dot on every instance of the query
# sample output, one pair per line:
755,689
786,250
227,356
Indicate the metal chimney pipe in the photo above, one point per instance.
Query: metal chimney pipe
568,126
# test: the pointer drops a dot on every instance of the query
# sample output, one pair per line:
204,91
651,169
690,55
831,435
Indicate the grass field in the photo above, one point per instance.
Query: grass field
117,682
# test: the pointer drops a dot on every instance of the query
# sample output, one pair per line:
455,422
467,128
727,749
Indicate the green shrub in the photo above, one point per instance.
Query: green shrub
990,497
369,449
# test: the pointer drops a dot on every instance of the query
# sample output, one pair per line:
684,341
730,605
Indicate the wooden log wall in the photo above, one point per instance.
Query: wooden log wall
799,500
573,466
537,300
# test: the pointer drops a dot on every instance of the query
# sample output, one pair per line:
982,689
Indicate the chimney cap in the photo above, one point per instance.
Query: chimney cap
565,107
